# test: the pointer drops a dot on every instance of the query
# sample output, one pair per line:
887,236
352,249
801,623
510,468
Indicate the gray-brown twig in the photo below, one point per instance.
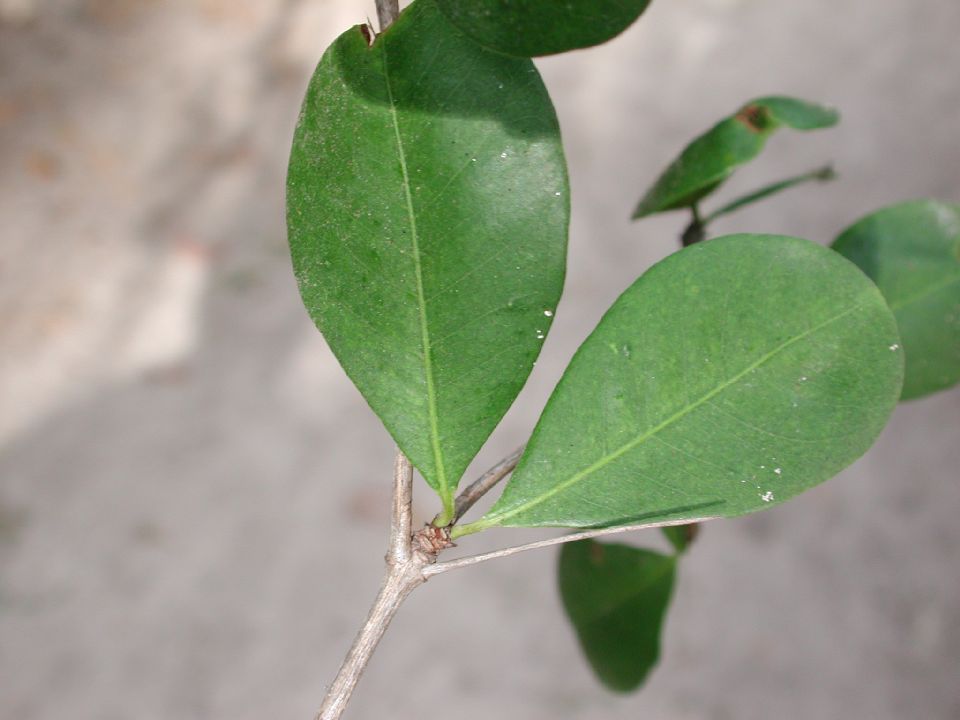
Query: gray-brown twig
506,552
387,11
400,517
482,485
411,561
404,573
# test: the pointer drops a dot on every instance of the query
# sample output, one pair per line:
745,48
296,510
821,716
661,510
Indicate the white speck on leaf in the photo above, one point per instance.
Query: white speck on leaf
895,347
767,496
548,313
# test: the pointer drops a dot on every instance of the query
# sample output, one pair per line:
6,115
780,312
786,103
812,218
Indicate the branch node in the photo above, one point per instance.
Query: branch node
430,541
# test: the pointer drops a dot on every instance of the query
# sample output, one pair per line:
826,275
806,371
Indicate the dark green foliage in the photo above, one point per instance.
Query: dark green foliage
616,597
427,210
730,377
912,252
528,28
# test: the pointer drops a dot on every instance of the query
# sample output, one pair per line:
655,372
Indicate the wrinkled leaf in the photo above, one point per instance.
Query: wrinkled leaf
731,376
912,252
529,28
713,157
616,597
427,206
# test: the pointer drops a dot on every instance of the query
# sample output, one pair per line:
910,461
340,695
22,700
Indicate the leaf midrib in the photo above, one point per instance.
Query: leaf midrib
433,419
498,518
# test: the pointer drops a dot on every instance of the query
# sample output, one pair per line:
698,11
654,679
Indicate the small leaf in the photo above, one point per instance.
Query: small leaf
530,28
427,206
616,597
730,377
713,157
912,252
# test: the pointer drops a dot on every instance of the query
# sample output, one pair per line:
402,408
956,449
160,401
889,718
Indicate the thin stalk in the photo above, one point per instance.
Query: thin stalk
482,485
697,229
821,174
438,568
401,516
404,573
397,585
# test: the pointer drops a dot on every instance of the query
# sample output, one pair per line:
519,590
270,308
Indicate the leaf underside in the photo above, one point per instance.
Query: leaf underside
912,252
616,597
730,377
427,206
530,28
710,159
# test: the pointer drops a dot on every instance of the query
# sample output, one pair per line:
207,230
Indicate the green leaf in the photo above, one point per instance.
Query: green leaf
912,252
616,597
731,376
529,28
427,206
713,157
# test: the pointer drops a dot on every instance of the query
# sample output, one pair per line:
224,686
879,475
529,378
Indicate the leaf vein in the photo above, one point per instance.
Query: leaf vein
434,423
496,518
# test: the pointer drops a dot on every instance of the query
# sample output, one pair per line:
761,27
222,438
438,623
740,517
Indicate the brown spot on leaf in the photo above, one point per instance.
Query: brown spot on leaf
755,117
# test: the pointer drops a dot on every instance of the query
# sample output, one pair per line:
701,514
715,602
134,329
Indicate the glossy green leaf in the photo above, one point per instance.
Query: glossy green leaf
912,252
529,28
713,157
427,205
731,376
616,597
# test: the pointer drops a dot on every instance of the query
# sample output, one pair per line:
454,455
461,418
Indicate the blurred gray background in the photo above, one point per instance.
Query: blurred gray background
192,495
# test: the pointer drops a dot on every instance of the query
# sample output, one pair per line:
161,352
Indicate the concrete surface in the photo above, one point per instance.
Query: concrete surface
193,497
